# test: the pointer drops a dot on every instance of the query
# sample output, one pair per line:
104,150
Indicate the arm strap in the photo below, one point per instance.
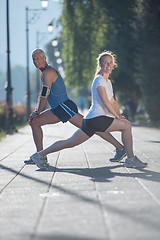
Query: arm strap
45,91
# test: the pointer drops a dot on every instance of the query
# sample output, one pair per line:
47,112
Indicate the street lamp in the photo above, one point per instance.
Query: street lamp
44,5
57,53
54,42
8,88
59,60
50,27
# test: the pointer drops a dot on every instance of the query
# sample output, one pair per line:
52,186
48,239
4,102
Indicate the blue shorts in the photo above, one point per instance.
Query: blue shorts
65,110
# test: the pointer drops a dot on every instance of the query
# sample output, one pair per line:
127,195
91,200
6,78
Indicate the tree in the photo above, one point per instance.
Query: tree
147,21
129,28
80,20
91,26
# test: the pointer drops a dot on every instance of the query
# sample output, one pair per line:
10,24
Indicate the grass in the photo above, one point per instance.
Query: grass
2,134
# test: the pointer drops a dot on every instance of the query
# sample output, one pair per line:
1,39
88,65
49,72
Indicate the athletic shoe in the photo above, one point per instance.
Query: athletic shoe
40,161
120,154
30,161
134,163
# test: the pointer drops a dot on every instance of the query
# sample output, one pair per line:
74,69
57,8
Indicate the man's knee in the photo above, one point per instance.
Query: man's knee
35,123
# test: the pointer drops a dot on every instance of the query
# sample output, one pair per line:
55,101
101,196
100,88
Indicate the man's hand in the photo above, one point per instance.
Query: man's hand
32,116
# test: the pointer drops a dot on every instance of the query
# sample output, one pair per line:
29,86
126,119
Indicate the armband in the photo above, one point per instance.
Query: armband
37,113
45,91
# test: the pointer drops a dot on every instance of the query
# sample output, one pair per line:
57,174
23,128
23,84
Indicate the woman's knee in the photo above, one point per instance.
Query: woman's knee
128,126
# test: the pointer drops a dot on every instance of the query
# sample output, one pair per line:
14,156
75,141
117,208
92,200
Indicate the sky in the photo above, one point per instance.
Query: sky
17,25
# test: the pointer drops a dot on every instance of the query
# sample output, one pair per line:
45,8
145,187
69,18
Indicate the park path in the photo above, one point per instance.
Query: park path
83,196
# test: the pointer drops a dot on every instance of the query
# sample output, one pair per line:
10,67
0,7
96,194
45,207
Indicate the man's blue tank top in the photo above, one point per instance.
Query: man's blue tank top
58,92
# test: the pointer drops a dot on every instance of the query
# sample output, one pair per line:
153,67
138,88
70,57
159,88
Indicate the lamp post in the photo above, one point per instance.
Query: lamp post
44,4
8,88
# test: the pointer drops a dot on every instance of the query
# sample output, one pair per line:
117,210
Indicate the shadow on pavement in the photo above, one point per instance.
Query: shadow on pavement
104,174
63,237
80,196
153,141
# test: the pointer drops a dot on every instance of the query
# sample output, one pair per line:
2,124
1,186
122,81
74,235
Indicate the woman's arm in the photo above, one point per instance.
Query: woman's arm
102,92
116,108
115,105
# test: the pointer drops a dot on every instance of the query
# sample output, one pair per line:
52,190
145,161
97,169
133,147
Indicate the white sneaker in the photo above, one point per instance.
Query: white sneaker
134,163
40,161
30,161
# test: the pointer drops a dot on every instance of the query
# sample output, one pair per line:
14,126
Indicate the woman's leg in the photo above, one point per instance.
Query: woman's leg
77,121
77,138
125,127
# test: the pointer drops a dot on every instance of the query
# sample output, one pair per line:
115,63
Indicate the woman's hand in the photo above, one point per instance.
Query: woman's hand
123,118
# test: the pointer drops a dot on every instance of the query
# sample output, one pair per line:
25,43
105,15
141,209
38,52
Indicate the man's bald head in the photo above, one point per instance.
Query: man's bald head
40,51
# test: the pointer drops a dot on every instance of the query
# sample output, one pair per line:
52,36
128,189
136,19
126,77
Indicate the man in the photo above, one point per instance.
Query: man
62,108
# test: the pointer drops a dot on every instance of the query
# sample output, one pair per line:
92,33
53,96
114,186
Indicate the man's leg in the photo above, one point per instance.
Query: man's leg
46,117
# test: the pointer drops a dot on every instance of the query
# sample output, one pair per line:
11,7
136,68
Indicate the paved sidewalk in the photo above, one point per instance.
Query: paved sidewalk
84,196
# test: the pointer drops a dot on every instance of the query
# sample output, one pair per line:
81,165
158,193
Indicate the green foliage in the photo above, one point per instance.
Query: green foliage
80,33
121,40
147,28
129,28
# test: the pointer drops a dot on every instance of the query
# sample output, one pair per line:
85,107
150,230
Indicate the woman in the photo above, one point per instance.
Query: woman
97,120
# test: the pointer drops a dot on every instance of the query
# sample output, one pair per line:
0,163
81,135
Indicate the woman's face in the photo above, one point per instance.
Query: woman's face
107,64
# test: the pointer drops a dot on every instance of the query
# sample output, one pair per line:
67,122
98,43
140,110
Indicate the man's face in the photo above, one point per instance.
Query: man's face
38,60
